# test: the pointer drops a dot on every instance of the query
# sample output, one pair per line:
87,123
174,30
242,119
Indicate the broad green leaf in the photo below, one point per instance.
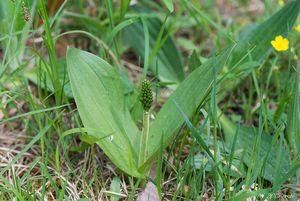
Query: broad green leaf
99,97
169,5
246,139
188,96
293,118
168,59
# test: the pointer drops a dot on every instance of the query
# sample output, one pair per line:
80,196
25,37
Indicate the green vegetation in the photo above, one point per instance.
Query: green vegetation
187,100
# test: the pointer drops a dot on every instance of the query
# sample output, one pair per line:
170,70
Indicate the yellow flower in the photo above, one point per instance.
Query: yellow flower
281,2
280,44
298,28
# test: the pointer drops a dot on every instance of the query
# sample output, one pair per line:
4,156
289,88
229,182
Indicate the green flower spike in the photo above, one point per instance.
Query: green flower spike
146,100
146,95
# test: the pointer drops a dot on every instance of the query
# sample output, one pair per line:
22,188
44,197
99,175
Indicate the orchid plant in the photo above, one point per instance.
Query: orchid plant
99,92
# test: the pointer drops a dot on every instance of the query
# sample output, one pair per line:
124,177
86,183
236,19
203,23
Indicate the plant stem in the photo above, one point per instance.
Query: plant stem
143,143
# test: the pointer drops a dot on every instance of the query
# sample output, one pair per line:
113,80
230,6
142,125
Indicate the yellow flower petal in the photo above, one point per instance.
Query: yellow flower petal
297,28
278,38
285,44
280,43
274,44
